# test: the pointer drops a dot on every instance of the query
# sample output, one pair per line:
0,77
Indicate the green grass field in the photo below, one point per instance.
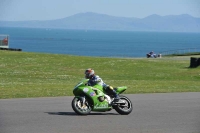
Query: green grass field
24,74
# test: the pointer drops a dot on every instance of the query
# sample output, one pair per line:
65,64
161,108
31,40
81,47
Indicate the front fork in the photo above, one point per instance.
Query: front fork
82,98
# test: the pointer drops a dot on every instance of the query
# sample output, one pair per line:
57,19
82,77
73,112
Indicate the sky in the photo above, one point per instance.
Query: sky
20,10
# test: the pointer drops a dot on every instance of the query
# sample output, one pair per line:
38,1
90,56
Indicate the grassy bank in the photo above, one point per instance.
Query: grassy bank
184,54
25,75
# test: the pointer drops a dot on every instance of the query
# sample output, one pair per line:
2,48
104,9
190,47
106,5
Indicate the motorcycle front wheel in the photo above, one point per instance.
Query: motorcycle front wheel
126,107
79,107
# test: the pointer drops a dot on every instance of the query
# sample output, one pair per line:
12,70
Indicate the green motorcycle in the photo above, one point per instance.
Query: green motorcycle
94,98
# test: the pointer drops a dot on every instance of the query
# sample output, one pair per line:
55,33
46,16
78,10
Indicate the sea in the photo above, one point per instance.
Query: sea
98,43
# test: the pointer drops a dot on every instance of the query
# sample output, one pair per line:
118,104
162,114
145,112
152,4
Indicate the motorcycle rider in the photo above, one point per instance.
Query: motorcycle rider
95,79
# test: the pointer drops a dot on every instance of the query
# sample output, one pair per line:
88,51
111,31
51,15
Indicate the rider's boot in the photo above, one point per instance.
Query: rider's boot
114,93
116,97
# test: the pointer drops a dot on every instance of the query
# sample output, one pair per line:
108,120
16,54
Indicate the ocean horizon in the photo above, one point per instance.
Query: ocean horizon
99,43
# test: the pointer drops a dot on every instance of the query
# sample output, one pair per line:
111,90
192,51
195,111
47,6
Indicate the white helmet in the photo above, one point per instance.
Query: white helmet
89,73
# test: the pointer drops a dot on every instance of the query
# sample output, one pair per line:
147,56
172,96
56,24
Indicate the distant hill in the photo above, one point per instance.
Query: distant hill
94,21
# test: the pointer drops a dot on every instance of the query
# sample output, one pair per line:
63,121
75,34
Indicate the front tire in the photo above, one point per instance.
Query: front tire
79,108
125,108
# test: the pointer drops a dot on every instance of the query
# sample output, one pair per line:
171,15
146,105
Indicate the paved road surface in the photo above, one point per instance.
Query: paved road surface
152,113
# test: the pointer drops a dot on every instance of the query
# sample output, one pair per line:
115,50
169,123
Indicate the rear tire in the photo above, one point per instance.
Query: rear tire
79,109
124,109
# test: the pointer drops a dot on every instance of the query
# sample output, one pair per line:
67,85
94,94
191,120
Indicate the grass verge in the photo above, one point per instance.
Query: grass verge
26,74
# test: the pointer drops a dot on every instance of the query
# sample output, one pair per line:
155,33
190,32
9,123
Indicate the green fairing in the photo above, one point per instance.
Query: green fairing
93,93
121,89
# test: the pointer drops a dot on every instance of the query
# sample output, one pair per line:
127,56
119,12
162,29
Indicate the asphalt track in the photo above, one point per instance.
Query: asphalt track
152,113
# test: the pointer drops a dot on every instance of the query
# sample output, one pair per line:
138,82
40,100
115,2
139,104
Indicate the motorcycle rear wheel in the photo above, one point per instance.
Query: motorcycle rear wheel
124,109
79,108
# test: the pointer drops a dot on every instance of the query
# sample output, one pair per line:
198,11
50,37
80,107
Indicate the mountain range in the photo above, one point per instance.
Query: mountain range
95,21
